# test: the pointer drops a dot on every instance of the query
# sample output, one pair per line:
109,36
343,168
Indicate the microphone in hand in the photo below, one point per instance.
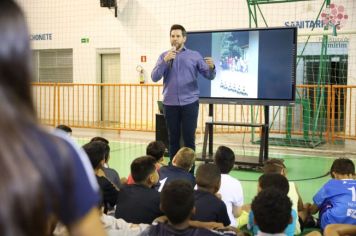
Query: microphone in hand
170,62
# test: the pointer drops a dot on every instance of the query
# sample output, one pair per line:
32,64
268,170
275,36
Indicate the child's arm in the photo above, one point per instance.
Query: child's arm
205,225
313,209
300,201
236,211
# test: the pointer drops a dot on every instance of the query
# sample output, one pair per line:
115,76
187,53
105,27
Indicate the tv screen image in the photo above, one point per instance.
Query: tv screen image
253,66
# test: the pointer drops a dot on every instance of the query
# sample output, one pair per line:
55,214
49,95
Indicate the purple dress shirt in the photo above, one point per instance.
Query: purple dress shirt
180,80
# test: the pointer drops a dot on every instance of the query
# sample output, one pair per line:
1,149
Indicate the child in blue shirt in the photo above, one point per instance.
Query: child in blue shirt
336,200
280,183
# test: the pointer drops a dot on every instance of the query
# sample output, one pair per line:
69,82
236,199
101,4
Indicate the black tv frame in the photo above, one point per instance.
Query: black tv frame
255,101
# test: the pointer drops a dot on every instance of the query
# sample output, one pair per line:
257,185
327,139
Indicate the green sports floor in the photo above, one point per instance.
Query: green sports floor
308,171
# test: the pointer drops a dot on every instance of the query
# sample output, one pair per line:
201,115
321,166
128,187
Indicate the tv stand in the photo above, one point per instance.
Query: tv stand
242,162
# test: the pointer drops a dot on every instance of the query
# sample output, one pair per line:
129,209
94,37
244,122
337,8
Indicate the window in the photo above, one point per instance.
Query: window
53,65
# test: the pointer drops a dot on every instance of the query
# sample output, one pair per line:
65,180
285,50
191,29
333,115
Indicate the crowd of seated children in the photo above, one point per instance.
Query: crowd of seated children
96,151
110,173
156,149
181,164
208,207
177,203
139,202
277,166
230,188
279,183
336,200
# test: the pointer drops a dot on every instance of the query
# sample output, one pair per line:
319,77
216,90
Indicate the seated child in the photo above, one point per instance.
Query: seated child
208,206
336,200
177,202
277,166
96,152
280,183
181,164
230,188
139,203
155,149
272,211
110,173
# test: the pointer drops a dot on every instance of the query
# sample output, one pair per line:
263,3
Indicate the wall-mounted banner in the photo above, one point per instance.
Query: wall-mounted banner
335,16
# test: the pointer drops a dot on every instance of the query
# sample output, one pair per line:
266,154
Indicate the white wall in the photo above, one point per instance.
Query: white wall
142,28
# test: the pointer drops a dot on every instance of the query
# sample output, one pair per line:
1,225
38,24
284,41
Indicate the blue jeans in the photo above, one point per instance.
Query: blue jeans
181,118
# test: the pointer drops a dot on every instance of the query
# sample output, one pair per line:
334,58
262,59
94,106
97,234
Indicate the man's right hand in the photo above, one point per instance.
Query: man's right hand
170,55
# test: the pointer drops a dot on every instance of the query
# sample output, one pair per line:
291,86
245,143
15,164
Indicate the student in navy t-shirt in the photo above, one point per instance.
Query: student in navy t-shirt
139,203
96,152
336,200
110,173
181,165
208,206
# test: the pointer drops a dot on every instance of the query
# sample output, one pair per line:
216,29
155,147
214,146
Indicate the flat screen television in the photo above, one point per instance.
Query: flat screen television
253,66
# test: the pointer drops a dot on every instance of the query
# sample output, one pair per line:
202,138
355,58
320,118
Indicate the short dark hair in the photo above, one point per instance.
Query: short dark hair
224,159
272,210
107,147
156,149
65,128
273,165
342,166
178,27
208,175
177,200
101,139
142,167
277,181
96,152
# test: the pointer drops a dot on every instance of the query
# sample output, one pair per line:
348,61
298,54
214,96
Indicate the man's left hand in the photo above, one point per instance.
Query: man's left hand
210,62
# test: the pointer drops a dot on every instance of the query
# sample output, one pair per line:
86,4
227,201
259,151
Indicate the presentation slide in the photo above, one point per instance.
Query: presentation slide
256,64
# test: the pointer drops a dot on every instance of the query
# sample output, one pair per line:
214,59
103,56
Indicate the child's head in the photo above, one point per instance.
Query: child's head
184,158
277,181
143,170
107,147
208,176
274,165
272,210
224,159
65,128
156,149
342,168
177,201
96,153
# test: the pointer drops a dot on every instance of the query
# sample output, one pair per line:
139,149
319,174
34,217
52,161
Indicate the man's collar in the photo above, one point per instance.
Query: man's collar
183,49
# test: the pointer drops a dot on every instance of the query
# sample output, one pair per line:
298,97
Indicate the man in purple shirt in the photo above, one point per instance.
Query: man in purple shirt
179,68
